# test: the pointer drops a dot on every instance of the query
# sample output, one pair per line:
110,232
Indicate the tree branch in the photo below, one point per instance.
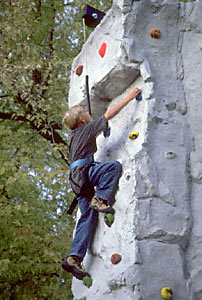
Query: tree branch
12,116
3,96
33,115
50,133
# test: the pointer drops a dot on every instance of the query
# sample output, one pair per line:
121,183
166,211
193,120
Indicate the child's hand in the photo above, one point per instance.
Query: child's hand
116,108
133,93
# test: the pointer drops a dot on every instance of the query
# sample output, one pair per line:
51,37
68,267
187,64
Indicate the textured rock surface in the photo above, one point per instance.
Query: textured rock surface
157,227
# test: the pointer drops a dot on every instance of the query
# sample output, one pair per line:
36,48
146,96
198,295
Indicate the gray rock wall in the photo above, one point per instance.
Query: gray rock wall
158,227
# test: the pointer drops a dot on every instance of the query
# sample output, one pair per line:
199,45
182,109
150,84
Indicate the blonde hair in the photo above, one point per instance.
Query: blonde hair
72,116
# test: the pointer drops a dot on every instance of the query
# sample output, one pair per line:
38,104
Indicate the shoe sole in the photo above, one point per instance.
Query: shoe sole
74,271
107,210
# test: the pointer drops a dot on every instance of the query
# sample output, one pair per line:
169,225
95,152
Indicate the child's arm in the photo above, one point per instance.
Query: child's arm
116,108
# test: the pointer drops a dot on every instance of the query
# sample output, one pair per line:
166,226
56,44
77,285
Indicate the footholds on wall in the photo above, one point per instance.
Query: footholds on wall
102,49
116,258
79,70
127,176
109,219
133,135
170,155
155,33
87,281
167,293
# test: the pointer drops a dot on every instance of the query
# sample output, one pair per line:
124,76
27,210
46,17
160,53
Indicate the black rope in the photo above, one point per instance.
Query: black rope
87,95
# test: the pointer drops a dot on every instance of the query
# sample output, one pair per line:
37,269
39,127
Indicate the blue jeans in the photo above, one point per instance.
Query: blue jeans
105,177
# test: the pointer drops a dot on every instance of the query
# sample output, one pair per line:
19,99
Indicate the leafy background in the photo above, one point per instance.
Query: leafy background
38,41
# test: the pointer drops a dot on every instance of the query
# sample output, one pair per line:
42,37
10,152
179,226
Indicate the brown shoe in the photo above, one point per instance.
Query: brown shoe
100,205
73,265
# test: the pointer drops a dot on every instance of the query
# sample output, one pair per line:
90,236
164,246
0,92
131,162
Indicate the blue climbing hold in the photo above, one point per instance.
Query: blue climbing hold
139,97
107,132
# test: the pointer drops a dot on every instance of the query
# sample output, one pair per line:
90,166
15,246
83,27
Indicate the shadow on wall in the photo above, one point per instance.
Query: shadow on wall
113,85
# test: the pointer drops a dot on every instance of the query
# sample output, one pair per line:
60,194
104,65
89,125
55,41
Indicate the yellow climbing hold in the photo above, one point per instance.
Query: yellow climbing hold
166,293
133,135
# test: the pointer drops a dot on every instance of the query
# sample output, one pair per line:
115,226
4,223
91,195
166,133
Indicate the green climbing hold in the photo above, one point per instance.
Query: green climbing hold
109,219
87,281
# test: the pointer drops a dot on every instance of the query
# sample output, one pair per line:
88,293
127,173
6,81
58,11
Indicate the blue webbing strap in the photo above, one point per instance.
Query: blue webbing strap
81,162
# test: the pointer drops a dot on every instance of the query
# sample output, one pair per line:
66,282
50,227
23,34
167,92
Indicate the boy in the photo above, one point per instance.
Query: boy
86,174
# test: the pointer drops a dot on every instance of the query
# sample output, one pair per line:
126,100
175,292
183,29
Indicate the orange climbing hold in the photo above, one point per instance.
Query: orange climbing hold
79,70
155,33
116,258
103,49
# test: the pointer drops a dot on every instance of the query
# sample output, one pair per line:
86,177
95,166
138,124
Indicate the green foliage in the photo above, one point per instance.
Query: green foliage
39,40
35,232
30,251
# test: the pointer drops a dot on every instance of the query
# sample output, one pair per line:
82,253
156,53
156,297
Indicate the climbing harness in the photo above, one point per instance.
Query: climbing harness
72,206
78,163
81,162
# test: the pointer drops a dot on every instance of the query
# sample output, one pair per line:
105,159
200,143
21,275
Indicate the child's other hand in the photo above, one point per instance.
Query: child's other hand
133,93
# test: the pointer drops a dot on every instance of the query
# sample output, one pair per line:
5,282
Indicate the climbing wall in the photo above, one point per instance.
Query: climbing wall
156,46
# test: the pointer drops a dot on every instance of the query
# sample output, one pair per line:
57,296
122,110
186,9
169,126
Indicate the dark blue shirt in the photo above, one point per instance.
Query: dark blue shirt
82,145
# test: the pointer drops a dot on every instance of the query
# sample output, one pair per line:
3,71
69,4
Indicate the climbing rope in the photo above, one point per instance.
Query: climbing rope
86,69
84,40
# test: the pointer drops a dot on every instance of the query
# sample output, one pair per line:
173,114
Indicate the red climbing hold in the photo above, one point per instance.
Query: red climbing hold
79,70
155,33
103,49
116,258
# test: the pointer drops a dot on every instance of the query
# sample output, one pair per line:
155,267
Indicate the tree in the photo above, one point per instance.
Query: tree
39,39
